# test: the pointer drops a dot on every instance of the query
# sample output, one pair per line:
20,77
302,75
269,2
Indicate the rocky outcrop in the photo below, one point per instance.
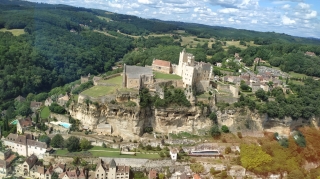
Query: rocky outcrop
129,122
244,120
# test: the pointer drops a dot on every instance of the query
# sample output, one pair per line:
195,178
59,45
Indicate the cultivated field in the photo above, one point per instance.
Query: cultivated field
97,91
15,32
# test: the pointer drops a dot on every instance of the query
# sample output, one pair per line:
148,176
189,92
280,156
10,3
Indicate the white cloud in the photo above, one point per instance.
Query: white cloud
286,6
228,10
295,17
147,1
303,5
287,21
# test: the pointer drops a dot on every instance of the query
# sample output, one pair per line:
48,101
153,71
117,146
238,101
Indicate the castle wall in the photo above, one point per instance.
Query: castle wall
162,69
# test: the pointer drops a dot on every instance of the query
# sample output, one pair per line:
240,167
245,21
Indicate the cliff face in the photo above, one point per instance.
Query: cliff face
129,122
244,120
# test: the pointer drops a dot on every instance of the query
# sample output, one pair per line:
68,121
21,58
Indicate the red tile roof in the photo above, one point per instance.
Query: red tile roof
152,174
196,176
161,63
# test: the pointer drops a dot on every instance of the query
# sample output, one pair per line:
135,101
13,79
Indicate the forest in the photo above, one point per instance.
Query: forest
60,44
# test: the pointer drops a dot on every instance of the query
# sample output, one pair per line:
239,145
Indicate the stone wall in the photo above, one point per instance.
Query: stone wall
60,117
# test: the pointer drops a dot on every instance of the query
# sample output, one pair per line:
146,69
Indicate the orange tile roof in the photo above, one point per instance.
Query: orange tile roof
196,176
161,63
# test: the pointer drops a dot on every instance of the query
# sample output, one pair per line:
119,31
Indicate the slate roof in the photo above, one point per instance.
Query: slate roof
161,63
112,164
136,71
35,104
36,143
20,98
32,160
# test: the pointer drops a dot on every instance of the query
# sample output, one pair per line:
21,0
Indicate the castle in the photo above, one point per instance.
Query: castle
195,75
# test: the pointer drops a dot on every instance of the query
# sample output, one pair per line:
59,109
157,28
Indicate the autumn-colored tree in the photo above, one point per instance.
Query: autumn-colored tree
252,156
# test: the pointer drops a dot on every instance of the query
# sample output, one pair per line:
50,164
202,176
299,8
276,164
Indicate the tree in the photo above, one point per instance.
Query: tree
197,168
252,156
223,175
104,145
45,138
73,144
295,174
161,176
54,175
261,94
225,129
213,117
227,150
215,132
57,141
85,144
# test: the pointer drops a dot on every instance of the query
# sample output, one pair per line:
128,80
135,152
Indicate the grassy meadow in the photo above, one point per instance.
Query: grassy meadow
15,32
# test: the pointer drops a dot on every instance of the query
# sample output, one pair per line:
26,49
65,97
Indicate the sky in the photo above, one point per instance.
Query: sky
293,17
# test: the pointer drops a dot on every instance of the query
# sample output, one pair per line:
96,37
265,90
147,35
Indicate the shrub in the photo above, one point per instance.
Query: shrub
227,150
239,134
225,129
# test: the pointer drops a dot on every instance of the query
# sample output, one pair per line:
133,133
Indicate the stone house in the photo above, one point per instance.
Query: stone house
173,154
28,164
85,79
63,100
219,65
20,99
25,145
24,124
258,60
153,174
6,159
162,66
48,101
137,77
311,54
112,171
59,168
73,174
34,105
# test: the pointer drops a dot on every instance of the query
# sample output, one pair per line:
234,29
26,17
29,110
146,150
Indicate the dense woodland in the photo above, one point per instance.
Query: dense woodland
59,45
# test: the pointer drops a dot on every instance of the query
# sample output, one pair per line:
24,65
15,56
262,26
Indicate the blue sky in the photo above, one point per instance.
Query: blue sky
294,17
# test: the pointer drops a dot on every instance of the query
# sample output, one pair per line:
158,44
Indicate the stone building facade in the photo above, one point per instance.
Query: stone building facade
137,77
25,145
194,74
112,171
162,66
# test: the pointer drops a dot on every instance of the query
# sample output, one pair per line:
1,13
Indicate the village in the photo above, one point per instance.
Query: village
24,155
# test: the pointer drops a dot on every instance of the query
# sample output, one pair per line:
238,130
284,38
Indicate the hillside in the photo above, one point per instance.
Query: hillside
43,46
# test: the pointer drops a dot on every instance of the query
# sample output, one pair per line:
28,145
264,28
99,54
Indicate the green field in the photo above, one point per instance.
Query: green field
104,18
97,91
105,33
297,75
159,75
45,113
237,44
15,32
117,155
97,151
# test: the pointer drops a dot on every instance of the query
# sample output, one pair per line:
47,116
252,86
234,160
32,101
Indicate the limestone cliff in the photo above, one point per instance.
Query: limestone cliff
129,122
244,120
